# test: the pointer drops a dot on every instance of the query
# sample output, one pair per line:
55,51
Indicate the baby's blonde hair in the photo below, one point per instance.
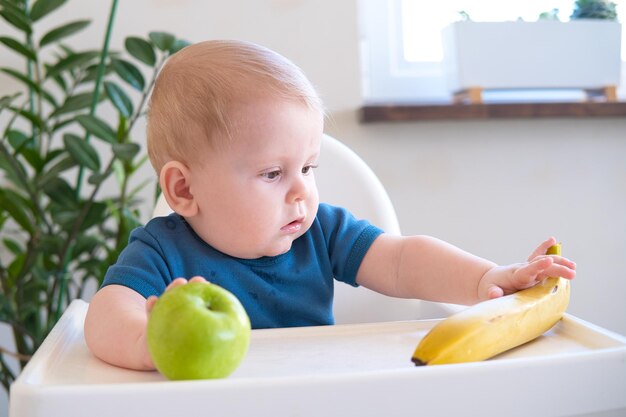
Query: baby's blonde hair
200,86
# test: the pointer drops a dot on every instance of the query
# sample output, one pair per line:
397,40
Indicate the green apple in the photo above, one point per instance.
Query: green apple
198,331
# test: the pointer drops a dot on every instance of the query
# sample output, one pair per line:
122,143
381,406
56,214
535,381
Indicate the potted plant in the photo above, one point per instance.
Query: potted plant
583,53
58,230
594,9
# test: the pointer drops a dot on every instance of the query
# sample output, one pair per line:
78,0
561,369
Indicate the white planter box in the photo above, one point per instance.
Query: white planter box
582,54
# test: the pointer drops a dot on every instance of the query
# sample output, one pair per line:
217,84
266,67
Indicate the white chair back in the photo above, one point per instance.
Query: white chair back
345,180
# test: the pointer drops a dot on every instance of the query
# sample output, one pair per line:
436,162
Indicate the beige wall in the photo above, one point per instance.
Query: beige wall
494,188
497,188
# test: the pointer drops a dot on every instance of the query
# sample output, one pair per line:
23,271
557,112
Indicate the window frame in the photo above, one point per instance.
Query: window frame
388,77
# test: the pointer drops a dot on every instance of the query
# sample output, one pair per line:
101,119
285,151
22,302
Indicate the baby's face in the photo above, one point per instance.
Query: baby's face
257,194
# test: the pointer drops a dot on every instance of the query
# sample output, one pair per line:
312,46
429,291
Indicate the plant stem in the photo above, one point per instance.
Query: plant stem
99,76
29,69
67,253
21,328
15,355
13,165
6,374
146,93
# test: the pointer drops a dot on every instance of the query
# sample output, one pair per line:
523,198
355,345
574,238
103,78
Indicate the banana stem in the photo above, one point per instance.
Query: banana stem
554,250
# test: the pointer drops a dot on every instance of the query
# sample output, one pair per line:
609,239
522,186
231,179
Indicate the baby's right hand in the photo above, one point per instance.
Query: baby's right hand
178,281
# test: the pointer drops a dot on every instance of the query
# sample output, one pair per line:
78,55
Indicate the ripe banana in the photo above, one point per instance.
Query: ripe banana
494,326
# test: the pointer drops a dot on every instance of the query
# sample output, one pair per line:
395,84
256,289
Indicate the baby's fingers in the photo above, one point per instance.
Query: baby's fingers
542,248
561,267
494,292
150,303
176,283
181,281
559,260
542,268
533,272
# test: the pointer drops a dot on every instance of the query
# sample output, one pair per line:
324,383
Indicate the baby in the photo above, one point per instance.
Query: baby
234,132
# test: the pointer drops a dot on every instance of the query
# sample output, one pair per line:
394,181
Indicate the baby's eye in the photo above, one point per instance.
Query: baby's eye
271,175
307,169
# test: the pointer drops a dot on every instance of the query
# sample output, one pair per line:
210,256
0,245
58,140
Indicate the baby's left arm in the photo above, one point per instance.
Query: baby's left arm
430,269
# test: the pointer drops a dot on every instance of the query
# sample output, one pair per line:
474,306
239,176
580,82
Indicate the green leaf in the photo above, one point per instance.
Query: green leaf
140,49
17,208
139,163
86,243
178,45
118,171
16,17
91,73
122,133
162,40
66,49
53,154
126,151
58,79
32,117
64,216
97,177
95,215
74,103
33,157
139,188
82,151
63,31
14,170
119,99
61,124
50,243
56,170
42,7
6,306
18,47
30,84
17,139
61,192
129,73
15,267
5,101
13,246
72,61
97,127
95,269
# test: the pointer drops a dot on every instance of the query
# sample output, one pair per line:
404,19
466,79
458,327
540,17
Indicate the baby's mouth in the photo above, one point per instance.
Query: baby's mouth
294,226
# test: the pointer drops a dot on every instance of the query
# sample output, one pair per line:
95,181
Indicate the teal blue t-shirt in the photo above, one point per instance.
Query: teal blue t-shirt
292,289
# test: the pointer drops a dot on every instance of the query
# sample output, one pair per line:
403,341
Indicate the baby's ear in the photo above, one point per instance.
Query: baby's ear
175,185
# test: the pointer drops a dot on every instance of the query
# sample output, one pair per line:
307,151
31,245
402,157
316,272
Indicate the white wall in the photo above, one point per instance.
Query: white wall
494,188
497,188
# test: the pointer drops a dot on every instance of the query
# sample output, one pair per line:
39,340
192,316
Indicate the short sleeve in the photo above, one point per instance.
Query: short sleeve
141,266
348,239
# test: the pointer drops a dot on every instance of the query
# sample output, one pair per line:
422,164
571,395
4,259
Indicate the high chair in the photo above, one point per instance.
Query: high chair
359,369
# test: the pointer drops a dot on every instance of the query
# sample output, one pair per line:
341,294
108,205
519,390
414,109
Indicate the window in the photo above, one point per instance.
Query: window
401,43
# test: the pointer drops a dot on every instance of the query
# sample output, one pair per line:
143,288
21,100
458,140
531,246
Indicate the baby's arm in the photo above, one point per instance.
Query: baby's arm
116,322
427,268
115,328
